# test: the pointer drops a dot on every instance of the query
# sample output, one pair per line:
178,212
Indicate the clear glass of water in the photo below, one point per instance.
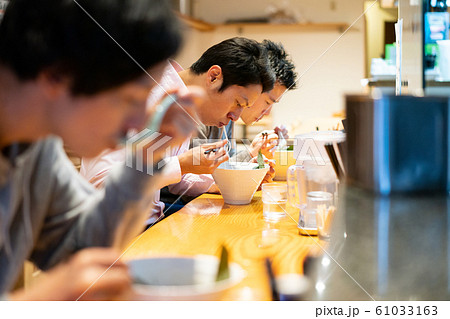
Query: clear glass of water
318,199
274,197
321,203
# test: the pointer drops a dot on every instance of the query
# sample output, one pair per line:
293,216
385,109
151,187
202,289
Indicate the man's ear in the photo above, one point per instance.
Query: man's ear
214,77
53,84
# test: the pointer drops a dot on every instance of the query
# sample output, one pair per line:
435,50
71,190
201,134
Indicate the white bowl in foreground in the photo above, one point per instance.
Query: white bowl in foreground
238,181
181,278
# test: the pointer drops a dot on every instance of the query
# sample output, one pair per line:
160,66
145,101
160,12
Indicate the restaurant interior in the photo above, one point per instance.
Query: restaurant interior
358,209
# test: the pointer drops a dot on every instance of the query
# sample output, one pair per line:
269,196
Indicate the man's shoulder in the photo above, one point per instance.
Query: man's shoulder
175,65
49,151
170,81
50,144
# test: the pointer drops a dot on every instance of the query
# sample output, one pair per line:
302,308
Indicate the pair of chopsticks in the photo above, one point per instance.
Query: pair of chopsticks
226,147
337,166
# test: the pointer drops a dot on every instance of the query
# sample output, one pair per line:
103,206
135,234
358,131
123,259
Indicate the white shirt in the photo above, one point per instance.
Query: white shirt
96,169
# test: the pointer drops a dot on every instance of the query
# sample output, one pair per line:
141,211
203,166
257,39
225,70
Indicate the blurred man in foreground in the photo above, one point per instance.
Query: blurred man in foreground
66,72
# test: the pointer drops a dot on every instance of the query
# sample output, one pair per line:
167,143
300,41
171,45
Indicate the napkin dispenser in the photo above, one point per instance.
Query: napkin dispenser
398,144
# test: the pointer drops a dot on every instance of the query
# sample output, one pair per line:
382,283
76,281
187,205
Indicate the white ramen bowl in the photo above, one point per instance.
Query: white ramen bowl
181,278
239,181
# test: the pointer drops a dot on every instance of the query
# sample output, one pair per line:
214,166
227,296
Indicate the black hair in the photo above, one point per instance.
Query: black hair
281,64
243,62
82,39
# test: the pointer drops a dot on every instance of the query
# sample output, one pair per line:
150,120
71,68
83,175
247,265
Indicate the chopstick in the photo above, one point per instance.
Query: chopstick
273,287
282,143
224,132
334,161
209,151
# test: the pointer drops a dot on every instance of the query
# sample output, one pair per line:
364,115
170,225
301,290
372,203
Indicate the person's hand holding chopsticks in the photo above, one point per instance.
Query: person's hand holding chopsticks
203,159
266,142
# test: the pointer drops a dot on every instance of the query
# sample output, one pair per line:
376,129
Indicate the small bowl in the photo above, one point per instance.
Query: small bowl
181,278
292,286
238,181
283,159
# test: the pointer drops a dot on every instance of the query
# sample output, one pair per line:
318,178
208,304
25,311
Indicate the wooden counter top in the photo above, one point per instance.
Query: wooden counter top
206,223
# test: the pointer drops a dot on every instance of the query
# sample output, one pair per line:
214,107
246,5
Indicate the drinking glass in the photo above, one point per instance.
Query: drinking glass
274,197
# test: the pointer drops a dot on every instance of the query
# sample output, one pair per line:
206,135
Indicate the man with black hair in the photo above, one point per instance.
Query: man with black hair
286,79
233,73
285,75
66,72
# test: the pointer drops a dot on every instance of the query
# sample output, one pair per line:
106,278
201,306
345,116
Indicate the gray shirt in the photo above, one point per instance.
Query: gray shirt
48,211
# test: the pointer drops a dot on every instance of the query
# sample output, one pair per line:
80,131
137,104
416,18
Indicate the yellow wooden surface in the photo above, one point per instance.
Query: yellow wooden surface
206,223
